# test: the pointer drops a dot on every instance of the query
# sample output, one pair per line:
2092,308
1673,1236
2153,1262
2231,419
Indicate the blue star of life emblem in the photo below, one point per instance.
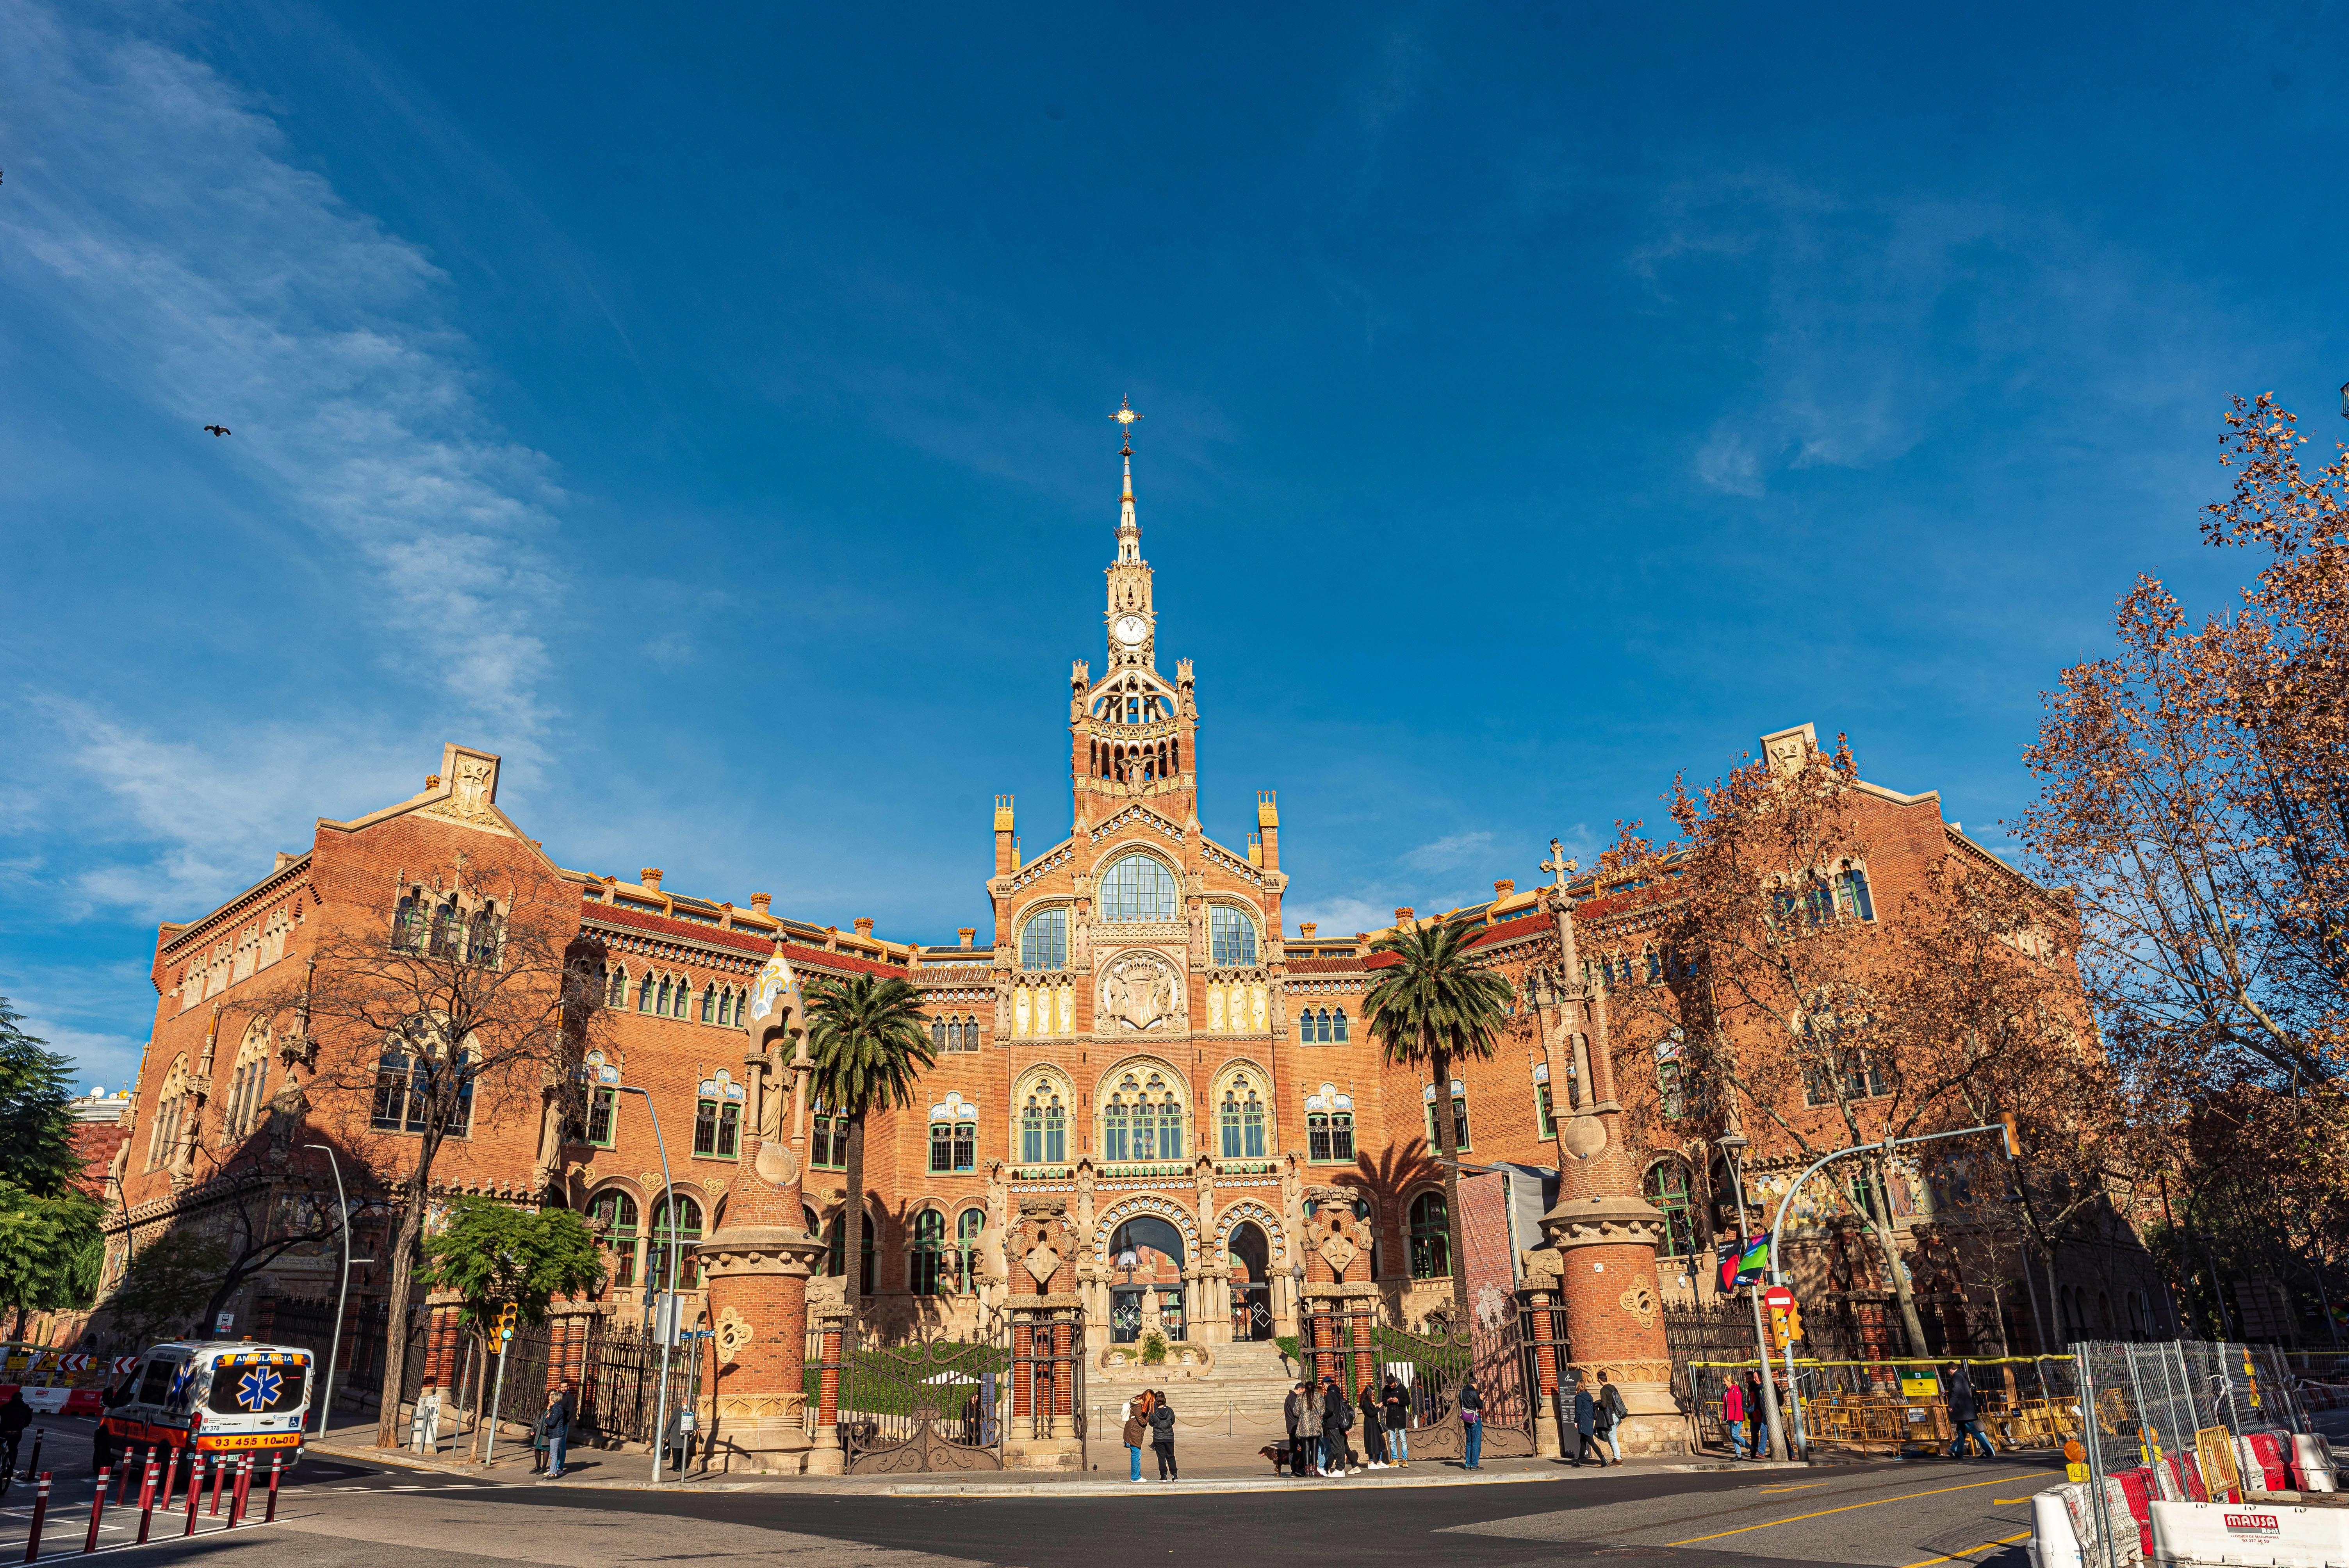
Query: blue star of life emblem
258,1389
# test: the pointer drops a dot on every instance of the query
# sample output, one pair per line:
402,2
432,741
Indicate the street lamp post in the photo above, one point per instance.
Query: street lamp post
1731,1144
667,1328
2005,1130
334,1345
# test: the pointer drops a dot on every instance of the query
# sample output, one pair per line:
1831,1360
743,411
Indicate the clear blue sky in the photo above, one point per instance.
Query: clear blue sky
705,407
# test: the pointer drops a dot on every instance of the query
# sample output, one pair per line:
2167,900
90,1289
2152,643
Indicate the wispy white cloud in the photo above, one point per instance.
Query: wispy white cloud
78,1012
158,216
1448,853
1341,916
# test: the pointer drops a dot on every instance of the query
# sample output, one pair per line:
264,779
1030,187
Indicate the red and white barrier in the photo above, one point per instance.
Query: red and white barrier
2271,1533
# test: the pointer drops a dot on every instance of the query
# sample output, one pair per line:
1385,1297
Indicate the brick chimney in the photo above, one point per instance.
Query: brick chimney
1305,928
759,901
651,875
865,926
1504,888
831,939
1403,914
969,935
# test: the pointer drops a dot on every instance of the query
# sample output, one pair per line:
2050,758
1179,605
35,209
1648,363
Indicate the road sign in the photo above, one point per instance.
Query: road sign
1778,1295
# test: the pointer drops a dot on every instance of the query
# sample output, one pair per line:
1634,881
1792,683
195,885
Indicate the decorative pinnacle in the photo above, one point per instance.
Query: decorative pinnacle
1125,417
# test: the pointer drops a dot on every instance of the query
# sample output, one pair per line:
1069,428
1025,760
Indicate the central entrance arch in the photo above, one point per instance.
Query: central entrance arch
1251,1275
1146,1256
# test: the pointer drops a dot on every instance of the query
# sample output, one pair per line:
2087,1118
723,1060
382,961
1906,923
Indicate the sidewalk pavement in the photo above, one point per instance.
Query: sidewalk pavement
599,1470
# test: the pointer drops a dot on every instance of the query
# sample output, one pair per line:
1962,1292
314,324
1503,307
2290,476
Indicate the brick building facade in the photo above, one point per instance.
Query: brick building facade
1134,1031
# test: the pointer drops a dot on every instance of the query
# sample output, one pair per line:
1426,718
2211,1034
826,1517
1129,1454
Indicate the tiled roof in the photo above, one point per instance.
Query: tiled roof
1325,966
745,942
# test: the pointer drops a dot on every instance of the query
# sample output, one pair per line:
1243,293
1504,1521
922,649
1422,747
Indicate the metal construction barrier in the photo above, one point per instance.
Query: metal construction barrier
2022,1401
2193,1452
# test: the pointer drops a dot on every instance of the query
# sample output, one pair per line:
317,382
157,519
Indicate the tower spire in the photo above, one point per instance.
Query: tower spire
1128,531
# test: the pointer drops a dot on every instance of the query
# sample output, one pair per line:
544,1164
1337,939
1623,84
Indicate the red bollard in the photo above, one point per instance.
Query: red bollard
96,1511
121,1483
195,1490
40,1511
220,1474
146,1497
276,1469
239,1490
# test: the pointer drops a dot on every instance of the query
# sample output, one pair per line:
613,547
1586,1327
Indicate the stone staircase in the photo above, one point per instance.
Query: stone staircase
1223,1413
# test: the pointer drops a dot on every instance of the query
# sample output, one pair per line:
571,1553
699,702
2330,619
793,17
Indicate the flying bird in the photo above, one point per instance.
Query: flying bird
216,431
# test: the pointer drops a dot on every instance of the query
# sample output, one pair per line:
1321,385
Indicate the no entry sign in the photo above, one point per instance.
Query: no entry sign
1778,1295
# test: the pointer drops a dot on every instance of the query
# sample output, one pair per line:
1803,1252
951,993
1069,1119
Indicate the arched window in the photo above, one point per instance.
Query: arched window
965,1257
1137,887
399,1102
482,936
1044,940
954,1143
709,1002
1142,1118
1242,1120
1044,1126
616,988
407,922
1666,1188
660,1002
683,1005
1459,1114
1117,1125
938,1028
447,929
613,1213
645,994
828,1139
1231,937
1170,1125
1329,1137
924,1269
1431,1238
1339,1019
688,1231
1851,894
726,1007
717,1120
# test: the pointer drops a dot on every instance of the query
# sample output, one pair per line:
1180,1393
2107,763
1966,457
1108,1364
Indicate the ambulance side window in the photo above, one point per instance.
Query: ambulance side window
156,1383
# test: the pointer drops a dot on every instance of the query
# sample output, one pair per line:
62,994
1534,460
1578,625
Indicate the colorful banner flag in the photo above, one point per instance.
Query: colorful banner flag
1744,1262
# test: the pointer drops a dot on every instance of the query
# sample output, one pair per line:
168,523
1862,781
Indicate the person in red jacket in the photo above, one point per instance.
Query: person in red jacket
1732,1417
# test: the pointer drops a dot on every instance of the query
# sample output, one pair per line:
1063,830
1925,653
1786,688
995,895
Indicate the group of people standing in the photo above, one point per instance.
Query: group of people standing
1149,1419
1320,1419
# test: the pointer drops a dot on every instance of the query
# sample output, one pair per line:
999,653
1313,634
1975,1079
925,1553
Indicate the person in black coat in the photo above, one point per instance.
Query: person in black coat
1471,1421
1965,1415
1612,1411
1337,1415
1586,1426
1161,1435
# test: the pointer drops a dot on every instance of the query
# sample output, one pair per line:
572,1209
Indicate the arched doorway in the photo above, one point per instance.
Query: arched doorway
1251,1266
1146,1256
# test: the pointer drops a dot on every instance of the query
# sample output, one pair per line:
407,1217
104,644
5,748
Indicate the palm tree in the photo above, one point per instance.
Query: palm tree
1434,1007
870,1043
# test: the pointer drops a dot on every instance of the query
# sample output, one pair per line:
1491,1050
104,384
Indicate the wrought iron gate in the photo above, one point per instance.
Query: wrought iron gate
1497,1356
931,1405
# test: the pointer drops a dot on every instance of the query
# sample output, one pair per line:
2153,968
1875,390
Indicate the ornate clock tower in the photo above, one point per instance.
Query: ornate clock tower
1131,733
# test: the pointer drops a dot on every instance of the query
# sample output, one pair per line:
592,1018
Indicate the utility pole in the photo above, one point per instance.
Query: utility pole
1732,1143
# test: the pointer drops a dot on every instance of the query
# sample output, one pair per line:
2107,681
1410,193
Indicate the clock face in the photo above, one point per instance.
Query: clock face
1131,630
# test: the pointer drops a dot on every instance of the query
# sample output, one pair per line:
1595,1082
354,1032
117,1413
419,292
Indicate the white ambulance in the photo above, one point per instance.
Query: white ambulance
218,1397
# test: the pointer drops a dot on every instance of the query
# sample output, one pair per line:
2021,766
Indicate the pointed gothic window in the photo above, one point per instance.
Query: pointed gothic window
1044,940
613,1215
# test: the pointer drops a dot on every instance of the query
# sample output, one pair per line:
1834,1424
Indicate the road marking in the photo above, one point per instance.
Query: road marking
2002,1501
1847,1507
1960,1556
1798,1486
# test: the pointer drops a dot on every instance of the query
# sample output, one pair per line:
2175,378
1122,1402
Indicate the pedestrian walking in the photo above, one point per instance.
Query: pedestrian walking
1304,1417
1374,1437
1732,1417
1586,1426
1965,1415
1471,1421
1394,1399
1337,1415
1612,1411
1136,1435
558,1429
1161,1434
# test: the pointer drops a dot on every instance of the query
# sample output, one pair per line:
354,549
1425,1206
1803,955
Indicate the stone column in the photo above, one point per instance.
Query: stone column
757,1264
1602,1236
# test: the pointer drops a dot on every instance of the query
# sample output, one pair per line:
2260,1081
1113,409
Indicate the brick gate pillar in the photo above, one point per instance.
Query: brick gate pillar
1041,1299
1338,1293
1600,1260
758,1262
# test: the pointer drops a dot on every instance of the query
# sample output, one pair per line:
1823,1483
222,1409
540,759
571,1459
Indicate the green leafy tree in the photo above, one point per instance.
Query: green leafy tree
491,1253
165,1280
52,1251
870,1043
37,1152
1435,1005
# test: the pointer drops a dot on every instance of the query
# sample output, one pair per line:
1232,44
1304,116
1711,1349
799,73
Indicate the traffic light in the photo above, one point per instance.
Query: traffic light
506,1320
2014,1137
1794,1322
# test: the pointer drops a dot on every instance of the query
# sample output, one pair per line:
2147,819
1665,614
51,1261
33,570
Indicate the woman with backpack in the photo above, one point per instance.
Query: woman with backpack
1337,1415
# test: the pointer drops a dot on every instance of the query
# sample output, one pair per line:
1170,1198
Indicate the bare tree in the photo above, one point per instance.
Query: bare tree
470,1007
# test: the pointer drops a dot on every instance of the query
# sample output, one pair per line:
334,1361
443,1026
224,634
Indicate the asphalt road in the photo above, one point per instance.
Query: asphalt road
344,1514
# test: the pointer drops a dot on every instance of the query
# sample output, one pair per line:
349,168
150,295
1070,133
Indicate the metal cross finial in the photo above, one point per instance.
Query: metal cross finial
1125,417
1557,863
